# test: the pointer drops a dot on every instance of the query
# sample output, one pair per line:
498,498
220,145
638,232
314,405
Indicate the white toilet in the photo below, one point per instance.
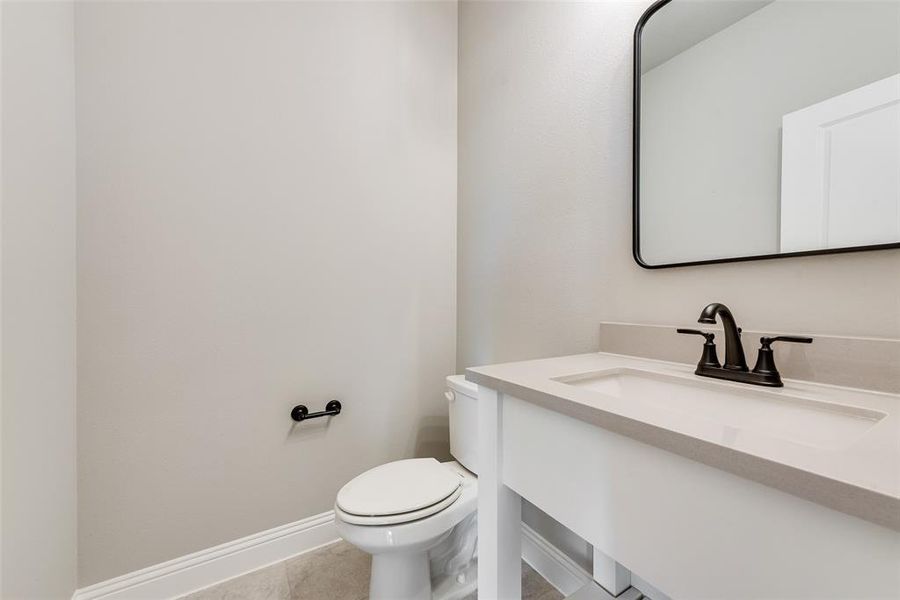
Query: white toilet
416,517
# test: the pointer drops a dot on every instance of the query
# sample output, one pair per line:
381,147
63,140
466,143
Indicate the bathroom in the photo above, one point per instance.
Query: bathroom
214,213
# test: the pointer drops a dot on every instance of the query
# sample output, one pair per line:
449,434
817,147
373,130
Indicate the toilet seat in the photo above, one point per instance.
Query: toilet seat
398,492
399,519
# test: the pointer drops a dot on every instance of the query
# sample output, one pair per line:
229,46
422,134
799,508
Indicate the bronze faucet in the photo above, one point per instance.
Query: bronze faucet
735,367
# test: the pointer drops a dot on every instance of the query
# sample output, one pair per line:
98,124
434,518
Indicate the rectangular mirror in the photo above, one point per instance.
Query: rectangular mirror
765,128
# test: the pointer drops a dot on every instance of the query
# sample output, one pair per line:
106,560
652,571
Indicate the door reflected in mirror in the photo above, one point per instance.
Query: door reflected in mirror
765,128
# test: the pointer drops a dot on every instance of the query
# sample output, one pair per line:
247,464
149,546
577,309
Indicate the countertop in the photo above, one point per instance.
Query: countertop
861,478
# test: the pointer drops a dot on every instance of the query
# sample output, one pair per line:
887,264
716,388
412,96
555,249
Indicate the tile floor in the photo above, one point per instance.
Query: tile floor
336,572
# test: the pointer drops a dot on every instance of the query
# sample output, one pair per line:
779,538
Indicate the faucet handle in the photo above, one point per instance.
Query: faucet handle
797,339
709,358
708,335
765,360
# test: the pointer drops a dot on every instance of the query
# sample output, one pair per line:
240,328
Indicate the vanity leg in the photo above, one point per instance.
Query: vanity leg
612,576
499,509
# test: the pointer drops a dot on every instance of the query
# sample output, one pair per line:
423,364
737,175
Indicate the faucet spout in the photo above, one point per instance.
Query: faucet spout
734,349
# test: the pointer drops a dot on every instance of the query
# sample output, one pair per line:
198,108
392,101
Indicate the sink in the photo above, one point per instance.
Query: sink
781,414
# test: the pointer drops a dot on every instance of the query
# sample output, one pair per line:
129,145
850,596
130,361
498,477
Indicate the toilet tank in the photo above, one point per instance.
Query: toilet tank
462,397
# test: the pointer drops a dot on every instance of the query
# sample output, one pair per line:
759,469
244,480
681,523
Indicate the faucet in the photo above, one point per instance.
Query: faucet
735,367
734,349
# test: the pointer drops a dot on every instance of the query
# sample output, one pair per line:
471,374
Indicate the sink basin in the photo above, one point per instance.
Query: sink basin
738,407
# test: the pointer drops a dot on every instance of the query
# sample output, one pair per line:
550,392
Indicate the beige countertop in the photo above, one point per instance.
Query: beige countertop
861,477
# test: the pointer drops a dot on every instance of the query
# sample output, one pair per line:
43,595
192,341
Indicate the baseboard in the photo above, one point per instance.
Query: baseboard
207,567
558,569
196,571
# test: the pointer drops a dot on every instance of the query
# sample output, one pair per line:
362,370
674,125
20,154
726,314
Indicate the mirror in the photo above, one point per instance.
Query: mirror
765,129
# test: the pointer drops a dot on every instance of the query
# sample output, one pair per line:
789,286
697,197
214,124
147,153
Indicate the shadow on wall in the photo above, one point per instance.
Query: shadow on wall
310,429
433,438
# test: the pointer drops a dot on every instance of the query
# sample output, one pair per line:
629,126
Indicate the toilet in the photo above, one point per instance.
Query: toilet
416,517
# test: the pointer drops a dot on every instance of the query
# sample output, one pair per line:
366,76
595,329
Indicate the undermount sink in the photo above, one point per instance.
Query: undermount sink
780,414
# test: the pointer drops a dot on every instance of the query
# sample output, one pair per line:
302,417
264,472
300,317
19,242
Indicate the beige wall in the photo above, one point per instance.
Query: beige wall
266,217
545,203
37,320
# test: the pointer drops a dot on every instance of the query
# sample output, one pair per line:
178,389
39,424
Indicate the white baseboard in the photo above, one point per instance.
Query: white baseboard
558,569
196,571
202,569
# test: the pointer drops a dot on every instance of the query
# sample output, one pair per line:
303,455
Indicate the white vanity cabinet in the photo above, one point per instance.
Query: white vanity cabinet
690,529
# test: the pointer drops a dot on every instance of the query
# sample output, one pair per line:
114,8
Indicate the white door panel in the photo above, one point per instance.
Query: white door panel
840,181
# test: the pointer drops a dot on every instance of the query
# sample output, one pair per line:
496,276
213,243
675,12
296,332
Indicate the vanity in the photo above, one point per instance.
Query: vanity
762,130
705,488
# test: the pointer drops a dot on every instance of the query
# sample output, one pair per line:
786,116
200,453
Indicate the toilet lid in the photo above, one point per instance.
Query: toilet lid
398,487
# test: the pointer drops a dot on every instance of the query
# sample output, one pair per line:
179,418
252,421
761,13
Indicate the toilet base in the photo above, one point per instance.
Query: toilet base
463,585
400,576
407,577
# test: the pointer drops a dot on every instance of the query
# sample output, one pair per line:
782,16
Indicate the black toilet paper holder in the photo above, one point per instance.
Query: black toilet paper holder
301,413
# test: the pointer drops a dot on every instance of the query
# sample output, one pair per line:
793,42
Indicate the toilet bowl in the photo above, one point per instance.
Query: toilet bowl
416,517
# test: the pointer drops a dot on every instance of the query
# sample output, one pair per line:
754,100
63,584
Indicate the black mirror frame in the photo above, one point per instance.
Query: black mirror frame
636,154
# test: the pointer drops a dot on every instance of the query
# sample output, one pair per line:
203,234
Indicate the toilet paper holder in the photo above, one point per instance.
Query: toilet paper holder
301,413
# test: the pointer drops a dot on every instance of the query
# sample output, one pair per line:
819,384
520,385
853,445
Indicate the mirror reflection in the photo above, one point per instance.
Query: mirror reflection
768,127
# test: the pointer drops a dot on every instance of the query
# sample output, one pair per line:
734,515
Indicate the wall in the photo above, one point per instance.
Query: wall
543,137
37,320
799,53
267,203
545,203
694,22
